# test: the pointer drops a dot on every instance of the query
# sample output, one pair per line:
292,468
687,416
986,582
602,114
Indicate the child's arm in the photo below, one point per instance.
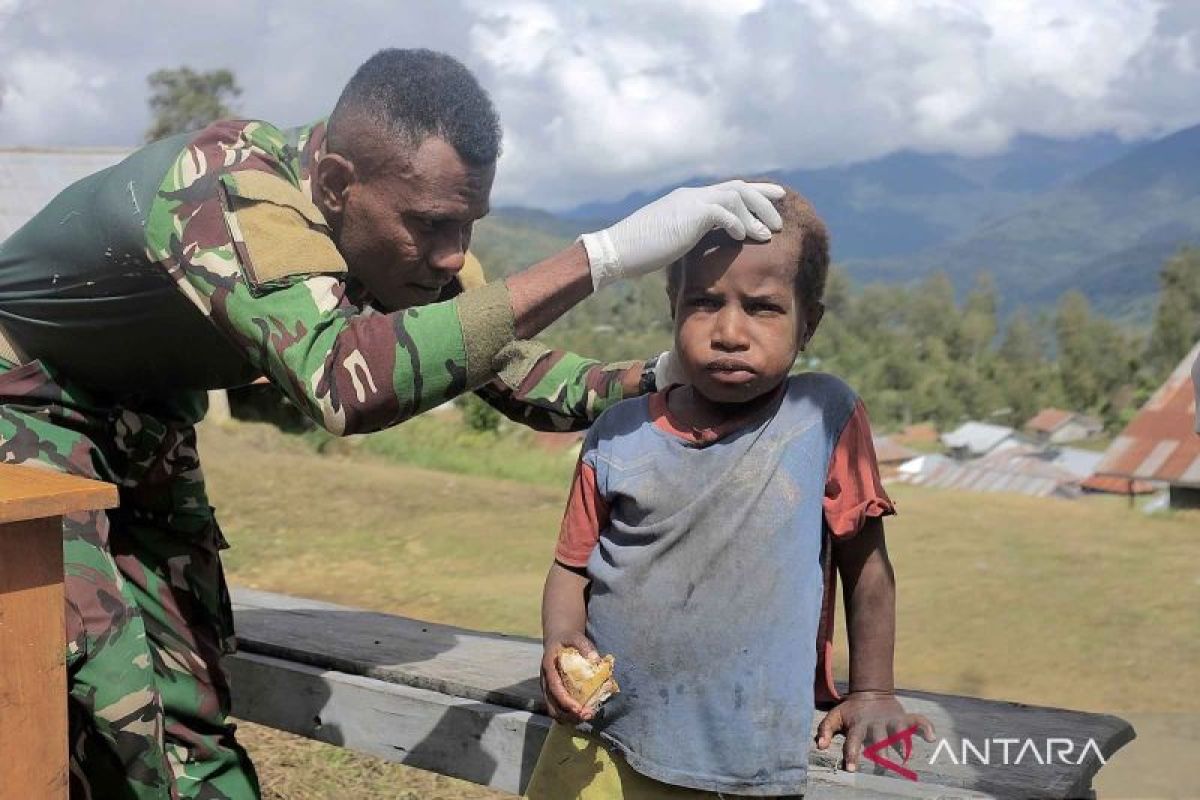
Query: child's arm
564,620
870,711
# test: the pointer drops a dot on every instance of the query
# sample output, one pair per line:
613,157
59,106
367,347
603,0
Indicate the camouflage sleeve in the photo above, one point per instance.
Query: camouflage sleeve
552,390
240,239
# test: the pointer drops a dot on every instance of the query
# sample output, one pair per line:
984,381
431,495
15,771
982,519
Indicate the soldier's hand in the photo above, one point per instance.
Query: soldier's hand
663,231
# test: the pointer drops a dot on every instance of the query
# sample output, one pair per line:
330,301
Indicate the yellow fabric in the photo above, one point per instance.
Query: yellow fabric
280,232
471,275
575,766
253,184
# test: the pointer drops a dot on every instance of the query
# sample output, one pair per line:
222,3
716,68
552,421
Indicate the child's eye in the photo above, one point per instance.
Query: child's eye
765,308
704,302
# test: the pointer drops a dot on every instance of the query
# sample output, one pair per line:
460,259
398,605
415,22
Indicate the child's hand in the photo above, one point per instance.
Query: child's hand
559,703
866,718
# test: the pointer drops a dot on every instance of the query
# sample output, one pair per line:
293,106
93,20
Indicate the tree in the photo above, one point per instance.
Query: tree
1177,320
477,414
978,328
183,100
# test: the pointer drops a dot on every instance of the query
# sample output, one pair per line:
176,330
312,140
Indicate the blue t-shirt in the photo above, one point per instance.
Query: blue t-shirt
707,585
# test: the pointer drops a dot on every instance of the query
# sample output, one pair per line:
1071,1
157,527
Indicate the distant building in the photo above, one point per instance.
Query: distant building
1056,426
1160,442
920,433
1015,468
890,454
976,439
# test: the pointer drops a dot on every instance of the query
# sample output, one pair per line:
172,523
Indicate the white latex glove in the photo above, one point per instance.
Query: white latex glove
663,231
667,371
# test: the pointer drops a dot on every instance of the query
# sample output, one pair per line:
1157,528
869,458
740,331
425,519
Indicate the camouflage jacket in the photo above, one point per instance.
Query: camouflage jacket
234,228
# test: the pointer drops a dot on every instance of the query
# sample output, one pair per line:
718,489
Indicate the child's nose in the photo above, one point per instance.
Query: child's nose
729,332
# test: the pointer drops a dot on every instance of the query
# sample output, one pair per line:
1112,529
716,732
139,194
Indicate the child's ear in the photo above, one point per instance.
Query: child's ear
812,319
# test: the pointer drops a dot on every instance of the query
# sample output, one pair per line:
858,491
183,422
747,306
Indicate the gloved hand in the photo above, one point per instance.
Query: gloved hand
667,371
663,231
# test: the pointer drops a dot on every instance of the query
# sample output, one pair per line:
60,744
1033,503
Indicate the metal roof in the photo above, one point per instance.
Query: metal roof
1159,443
889,451
1048,420
1020,469
30,178
1075,460
977,437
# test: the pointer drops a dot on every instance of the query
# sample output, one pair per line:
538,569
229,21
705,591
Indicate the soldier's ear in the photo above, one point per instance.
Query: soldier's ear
335,176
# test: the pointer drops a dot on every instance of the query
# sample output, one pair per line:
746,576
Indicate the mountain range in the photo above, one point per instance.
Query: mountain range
1096,214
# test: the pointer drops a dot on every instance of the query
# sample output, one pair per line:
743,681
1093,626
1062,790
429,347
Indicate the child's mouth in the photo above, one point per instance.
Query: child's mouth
730,371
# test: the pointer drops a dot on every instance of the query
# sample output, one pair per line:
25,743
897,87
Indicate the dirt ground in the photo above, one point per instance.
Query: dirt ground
1083,604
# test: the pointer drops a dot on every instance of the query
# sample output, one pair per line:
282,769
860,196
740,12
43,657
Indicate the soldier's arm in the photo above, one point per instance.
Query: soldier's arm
554,390
253,253
547,389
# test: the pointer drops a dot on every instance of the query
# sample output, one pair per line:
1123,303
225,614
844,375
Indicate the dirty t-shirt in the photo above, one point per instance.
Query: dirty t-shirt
705,554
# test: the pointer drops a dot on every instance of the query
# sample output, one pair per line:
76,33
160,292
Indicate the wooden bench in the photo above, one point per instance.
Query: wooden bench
467,703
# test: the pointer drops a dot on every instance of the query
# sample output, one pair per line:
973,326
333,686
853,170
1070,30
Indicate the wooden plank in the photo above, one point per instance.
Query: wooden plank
33,677
28,492
480,742
500,670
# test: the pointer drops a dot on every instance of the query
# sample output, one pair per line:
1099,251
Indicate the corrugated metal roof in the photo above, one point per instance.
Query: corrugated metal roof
1021,469
1111,484
1048,420
889,451
1160,443
30,178
1075,460
977,437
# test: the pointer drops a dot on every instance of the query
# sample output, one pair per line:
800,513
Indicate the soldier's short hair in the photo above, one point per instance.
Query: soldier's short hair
420,93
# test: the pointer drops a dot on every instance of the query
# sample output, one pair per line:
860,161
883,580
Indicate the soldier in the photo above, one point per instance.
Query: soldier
329,259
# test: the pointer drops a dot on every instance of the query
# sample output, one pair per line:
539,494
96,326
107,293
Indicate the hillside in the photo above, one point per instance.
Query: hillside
1046,216
1105,234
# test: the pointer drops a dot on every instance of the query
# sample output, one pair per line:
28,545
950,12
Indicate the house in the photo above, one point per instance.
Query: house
975,439
890,454
1018,468
1160,443
1056,426
1077,461
920,433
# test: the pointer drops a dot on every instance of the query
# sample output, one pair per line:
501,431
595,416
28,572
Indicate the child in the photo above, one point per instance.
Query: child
696,548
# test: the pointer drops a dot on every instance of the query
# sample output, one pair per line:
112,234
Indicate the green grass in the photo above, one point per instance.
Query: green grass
442,442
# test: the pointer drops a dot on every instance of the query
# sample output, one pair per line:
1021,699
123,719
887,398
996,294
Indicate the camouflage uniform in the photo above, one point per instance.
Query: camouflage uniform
221,270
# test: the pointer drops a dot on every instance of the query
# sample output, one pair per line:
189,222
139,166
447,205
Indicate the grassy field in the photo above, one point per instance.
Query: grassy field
1084,604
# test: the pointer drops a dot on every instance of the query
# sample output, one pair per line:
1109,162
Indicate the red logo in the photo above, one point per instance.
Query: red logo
872,752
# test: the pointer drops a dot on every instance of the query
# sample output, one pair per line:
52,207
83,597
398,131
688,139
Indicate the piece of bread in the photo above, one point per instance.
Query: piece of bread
589,681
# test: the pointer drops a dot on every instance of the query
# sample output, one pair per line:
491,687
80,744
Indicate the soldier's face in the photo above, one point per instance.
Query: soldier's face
407,220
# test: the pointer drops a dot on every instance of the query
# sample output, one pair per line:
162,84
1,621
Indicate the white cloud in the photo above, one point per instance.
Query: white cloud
599,99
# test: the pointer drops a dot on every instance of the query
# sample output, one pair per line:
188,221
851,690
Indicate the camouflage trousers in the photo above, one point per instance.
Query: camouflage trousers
147,609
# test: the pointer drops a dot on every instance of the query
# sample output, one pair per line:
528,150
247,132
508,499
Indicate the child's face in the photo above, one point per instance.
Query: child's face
738,322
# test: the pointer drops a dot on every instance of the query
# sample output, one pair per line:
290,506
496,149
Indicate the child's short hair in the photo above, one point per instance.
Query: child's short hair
802,229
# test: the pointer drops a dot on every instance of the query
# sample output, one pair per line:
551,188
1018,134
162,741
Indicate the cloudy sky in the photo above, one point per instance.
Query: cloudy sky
601,98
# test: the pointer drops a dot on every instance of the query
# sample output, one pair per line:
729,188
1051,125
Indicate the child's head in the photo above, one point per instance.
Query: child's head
744,309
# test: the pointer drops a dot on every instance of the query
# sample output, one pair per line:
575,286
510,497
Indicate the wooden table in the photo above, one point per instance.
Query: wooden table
33,677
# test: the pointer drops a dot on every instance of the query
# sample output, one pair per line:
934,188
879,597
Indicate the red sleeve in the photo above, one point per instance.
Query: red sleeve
853,489
586,515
